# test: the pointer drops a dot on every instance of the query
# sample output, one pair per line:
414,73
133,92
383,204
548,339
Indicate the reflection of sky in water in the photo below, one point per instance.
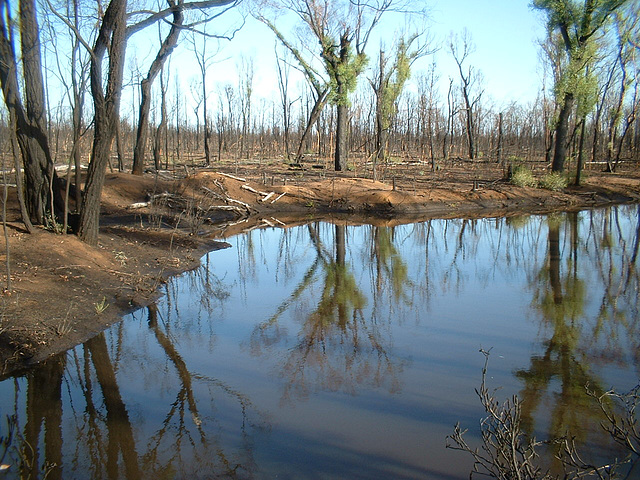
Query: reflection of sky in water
279,389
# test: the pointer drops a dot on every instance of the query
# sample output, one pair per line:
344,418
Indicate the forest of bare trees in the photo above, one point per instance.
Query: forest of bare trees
351,107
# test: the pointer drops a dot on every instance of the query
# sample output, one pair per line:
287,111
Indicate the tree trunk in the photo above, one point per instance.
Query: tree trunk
341,137
317,109
469,123
107,107
30,124
166,49
562,133
499,149
580,165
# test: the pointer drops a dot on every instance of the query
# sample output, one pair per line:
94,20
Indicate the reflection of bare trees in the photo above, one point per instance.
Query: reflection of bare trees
44,409
176,435
103,438
120,437
615,252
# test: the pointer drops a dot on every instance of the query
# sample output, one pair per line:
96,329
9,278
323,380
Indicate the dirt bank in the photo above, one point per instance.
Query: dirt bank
62,291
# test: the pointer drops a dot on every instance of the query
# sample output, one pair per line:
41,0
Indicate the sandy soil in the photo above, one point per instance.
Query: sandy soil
62,291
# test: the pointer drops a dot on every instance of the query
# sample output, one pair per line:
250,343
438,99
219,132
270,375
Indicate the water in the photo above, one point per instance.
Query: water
332,351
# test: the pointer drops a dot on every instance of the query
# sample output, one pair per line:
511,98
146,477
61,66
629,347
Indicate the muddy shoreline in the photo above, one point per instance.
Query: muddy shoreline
63,292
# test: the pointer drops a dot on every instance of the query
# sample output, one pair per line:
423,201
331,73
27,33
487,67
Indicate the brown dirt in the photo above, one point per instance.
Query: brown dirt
58,283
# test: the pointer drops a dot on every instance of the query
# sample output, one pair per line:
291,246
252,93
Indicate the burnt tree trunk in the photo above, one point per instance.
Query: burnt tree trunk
562,133
107,106
318,106
341,154
41,182
166,49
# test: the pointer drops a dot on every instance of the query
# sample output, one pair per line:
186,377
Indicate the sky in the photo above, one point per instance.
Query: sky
505,34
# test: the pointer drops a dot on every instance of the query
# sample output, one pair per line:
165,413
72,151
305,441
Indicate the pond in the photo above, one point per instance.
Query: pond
337,351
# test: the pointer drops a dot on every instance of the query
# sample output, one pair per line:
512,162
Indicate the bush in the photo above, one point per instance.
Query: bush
555,181
522,176
507,452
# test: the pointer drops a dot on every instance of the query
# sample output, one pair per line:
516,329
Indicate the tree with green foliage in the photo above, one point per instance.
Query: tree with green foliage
342,29
387,86
578,24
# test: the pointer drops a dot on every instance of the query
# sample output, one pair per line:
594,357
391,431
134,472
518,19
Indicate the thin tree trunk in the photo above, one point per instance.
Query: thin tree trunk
167,47
316,111
499,148
580,165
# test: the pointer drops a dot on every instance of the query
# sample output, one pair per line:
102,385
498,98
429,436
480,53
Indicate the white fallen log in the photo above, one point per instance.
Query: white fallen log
279,197
139,205
253,190
269,195
232,176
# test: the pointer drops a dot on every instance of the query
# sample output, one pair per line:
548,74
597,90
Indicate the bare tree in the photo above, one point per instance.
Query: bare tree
246,72
461,48
176,9
204,60
167,47
316,80
106,101
283,70
43,189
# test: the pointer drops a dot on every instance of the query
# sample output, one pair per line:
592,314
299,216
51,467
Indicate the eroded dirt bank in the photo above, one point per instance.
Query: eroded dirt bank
62,291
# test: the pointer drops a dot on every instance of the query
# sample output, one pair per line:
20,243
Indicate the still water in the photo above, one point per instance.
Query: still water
333,351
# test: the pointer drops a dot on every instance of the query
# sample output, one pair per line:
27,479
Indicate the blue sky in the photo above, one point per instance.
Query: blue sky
505,34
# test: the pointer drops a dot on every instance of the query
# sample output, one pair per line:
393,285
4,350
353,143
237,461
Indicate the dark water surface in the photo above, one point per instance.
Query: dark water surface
329,351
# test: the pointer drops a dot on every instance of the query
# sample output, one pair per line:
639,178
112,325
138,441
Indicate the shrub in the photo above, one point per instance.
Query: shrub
507,452
555,181
522,176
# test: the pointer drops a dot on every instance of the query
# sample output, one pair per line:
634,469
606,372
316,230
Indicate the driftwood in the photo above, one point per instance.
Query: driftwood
232,176
268,196
253,190
226,198
279,197
139,205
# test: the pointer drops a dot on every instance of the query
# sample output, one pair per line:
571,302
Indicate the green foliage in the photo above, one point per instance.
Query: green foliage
51,223
579,80
577,26
392,81
343,66
555,181
522,176
101,306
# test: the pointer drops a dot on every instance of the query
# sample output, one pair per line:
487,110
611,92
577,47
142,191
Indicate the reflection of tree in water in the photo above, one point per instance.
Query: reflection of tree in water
337,348
44,409
184,427
389,270
560,374
616,263
560,300
109,443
